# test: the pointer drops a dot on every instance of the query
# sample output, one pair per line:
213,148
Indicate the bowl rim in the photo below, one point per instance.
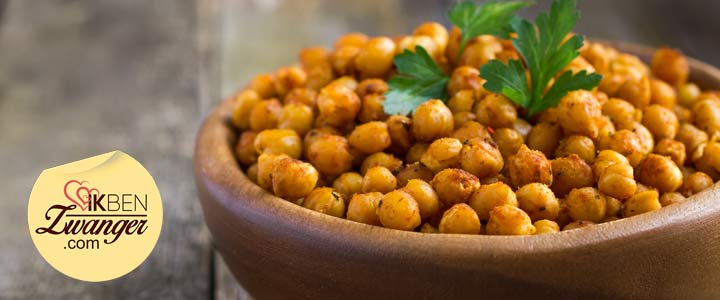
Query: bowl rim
218,172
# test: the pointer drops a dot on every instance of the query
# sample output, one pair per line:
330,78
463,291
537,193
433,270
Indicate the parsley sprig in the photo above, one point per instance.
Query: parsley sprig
489,18
545,54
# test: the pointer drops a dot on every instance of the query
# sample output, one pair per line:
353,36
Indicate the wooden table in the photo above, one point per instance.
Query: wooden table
86,77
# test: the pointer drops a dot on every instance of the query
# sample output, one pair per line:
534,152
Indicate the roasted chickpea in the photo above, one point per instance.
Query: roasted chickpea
330,154
265,115
522,127
416,152
301,96
496,111
452,51
546,226
252,173
378,179
660,172
662,93
432,120
370,137
399,129
673,149
707,159
428,228
569,173
459,119
426,198
617,181
578,225
624,141
343,60
464,78
688,94
509,220
598,55
338,104
661,121
243,104
443,153
265,167
289,78
528,166
691,137
481,158
647,142
354,39
471,130
460,218
372,109
411,42
696,183
670,65
622,113
297,117
586,204
683,114
538,201
508,141
636,92
605,159
245,148
263,85
347,184
544,137
579,113
488,196
613,207
454,186
414,171
362,208
375,58
706,114
398,210
641,203
318,76
462,101
293,179
278,141
479,51
579,145
325,200
436,32
313,56
671,198
381,159
372,86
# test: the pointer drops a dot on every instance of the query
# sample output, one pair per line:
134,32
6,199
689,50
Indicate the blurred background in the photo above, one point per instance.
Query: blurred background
81,78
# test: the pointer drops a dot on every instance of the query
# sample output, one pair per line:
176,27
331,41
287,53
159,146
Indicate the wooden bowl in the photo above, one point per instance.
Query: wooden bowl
278,250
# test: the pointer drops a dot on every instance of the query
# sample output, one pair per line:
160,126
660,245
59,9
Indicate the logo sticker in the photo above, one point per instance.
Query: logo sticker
95,219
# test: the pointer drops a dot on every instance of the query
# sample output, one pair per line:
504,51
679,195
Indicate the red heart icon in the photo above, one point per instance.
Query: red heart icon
82,194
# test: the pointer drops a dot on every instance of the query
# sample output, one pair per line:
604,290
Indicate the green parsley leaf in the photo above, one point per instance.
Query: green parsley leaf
489,18
544,53
419,80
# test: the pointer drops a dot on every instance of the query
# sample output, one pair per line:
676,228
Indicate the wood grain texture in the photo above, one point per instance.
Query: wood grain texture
278,250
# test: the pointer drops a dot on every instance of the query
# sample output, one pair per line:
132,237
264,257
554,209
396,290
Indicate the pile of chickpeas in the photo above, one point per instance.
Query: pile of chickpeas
316,134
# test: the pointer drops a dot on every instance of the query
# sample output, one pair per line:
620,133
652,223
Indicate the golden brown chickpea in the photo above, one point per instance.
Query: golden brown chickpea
245,148
605,159
496,111
613,207
316,133
347,184
265,167
289,78
454,186
370,137
265,115
277,141
459,119
660,172
381,159
416,152
460,219
579,113
264,85
688,94
462,101
617,181
436,32
579,145
354,39
636,92
598,55
544,137
622,113
301,96
509,220
479,51
662,93
425,197
372,86
538,201
641,203
343,60
673,149
646,138
670,65
318,76
313,56
375,58
372,109
412,41
432,120
671,198
252,172
605,130
362,208
706,115
528,166
691,137
398,210
414,171
293,179
464,78
522,127
695,183
428,228
297,117
586,204
707,159
569,173
487,197
661,121
578,225
471,130
546,226
243,104
326,201
378,179
338,104
330,154
399,130
623,141
481,158
683,114
563,217
508,141
452,51
442,153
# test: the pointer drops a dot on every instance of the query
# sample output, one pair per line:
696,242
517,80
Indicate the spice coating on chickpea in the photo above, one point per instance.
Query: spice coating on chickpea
570,173
375,57
330,154
454,185
538,201
378,179
265,115
338,104
471,130
509,220
528,166
546,226
325,200
398,210
443,153
293,179
432,120
362,208
243,104
488,196
508,141
579,112
695,183
586,204
414,171
660,172
381,159
347,184
461,219
670,66
481,158
245,148
370,137
641,203
580,145
423,193
661,121
495,111
279,141
399,130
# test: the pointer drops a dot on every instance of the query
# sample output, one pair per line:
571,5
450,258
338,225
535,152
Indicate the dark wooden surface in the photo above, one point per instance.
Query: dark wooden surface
79,78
